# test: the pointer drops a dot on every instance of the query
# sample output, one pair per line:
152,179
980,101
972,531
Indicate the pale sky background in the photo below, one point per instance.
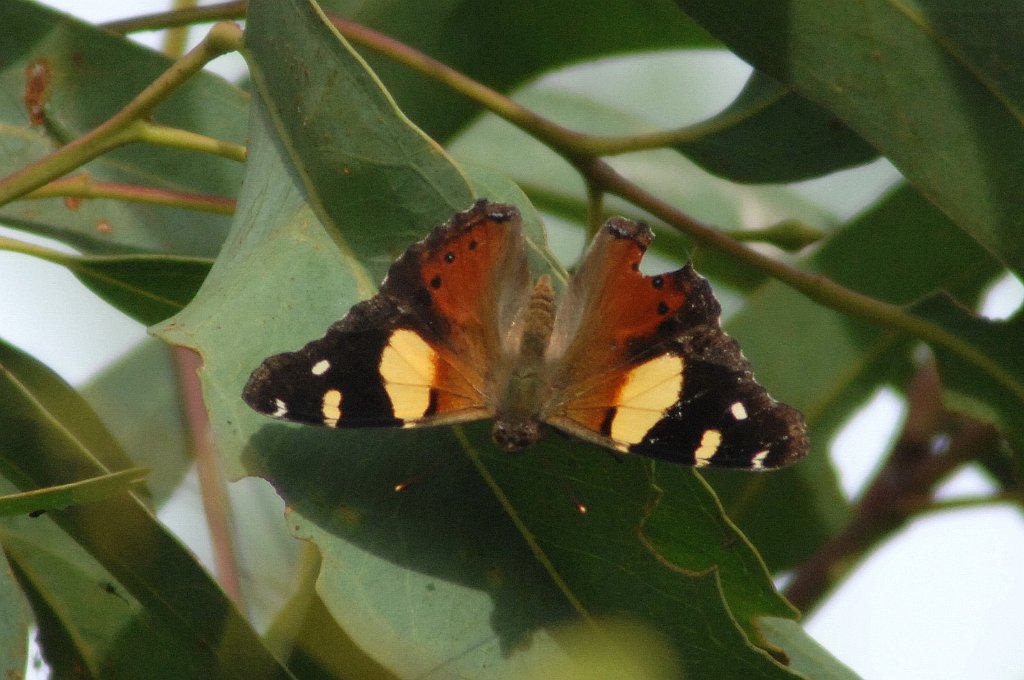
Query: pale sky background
939,601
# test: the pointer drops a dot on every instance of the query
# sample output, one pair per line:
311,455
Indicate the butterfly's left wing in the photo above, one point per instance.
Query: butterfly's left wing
641,365
418,352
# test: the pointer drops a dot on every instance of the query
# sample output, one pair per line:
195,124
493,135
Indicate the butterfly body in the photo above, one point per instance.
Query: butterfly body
460,331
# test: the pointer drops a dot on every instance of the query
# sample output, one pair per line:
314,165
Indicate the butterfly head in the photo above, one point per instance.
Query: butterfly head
515,434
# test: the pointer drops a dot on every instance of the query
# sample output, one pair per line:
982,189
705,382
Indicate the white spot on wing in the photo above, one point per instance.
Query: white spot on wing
320,367
757,462
738,411
709,444
281,409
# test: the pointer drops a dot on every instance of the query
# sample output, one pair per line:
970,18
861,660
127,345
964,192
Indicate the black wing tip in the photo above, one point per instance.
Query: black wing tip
625,228
484,209
255,392
791,447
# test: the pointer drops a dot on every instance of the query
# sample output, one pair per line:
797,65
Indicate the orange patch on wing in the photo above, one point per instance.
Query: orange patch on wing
637,303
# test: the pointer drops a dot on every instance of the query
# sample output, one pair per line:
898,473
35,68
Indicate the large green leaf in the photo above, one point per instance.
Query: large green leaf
504,44
334,164
42,444
932,85
85,75
772,134
842,361
482,552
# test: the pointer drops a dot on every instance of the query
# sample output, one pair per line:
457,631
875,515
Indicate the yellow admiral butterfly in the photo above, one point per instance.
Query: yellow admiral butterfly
459,331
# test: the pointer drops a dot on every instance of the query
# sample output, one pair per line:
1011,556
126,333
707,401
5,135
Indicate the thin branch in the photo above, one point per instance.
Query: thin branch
921,506
175,38
177,138
213,490
178,17
83,186
907,480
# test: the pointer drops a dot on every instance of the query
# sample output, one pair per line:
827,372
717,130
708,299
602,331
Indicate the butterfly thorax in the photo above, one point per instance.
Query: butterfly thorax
522,381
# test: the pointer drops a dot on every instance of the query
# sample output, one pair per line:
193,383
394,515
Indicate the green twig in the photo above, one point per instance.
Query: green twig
178,17
128,125
189,141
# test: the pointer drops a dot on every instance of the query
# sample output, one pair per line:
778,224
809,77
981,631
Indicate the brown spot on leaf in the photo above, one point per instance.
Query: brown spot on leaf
72,202
104,227
37,79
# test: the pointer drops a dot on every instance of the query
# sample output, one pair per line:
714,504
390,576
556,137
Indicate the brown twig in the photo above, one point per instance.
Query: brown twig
903,487
213,490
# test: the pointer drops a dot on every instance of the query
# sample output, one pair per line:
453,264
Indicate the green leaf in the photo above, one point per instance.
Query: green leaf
39,448
77,418
148,288
843,361
459,571
85,76
805,655
504,44
88,625
772,134
930,85
342,170
14,623
72,493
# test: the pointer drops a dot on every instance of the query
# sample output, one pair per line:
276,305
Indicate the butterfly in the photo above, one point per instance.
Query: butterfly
460,331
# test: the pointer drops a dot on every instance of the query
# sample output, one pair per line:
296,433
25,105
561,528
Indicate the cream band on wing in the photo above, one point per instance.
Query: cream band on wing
709,444
408,366
331,407
649,391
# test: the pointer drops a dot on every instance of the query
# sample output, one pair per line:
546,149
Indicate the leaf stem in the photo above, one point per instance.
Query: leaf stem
125,126
83,186
177,138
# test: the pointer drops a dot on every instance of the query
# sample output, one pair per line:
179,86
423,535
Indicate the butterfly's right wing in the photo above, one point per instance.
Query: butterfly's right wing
641,365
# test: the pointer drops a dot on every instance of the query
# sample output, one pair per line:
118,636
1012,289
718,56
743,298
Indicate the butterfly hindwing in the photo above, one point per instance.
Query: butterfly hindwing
416,352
